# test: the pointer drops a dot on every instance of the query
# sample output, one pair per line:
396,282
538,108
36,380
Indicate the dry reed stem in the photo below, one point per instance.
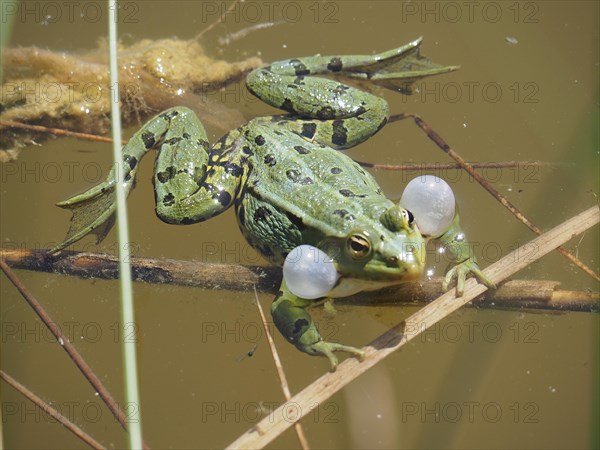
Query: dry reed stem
280,372
330,383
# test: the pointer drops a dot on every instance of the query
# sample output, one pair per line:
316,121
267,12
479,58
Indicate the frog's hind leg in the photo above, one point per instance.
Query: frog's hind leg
93,211
330,112
296,325
180,172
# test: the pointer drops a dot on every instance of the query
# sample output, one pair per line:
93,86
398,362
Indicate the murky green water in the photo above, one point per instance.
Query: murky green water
527,90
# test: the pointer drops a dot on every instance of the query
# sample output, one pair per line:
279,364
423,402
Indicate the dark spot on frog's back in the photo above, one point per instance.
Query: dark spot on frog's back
299,68
173,140
169,199
335,64
169,115
340,134
131,161
233,169
166,175
349,193
223,197
344,214
336,170
270,160
301,150
259,140
309,129
148,138
299,326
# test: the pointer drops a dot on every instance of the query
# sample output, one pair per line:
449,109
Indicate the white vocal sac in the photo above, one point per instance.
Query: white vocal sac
309,272
431,201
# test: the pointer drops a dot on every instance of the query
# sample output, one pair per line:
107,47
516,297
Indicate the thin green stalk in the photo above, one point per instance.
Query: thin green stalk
127,313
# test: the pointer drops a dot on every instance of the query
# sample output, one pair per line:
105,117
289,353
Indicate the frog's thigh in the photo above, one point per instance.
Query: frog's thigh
190,188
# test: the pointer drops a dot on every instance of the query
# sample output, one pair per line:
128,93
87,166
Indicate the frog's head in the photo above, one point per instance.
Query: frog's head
385,251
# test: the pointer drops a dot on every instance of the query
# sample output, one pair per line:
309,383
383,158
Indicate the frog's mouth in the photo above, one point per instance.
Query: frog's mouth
377,276
394,271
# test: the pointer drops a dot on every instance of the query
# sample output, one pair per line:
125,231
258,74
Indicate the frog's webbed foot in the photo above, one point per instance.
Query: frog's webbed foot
296,325
460,272
396,69
327,348
93,212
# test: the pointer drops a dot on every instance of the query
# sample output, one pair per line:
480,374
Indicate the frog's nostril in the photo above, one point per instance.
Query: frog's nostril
392,261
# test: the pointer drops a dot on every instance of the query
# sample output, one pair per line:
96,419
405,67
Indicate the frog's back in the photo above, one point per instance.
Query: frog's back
301,192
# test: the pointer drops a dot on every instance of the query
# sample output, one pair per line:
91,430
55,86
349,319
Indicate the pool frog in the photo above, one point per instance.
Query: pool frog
289,183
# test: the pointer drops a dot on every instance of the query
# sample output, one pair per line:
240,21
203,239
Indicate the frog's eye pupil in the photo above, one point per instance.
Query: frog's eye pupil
358,246
411,218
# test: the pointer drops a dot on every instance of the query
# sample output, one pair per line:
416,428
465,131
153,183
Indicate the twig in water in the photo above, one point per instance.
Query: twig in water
246,31
55,131
63,340
448,166
51,411
219,20
280,372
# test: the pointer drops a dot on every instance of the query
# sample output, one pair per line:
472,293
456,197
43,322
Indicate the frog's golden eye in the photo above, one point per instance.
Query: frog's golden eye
358,246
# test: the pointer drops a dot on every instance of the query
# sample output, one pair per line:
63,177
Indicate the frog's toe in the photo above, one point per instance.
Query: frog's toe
327,348
93,212
450,275
483,278
460,273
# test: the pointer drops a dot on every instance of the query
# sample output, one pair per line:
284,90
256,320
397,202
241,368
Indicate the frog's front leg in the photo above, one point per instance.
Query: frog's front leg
461,257
190,184
296,325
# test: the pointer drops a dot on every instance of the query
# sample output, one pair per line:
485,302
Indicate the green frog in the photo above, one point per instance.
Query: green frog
288,181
